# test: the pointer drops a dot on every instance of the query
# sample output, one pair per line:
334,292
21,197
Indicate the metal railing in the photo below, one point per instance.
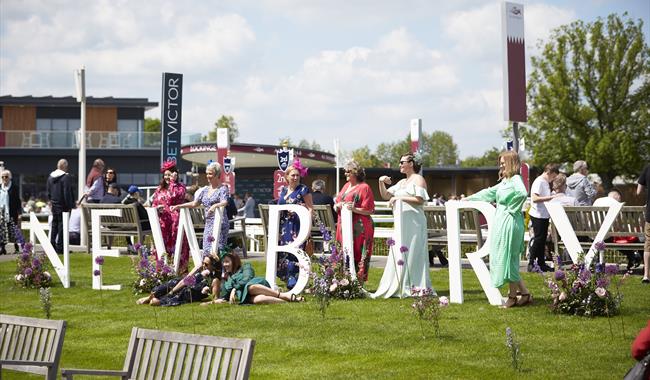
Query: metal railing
70,139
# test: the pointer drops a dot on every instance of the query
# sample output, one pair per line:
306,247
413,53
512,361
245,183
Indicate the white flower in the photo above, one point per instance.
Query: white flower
205,290
562,296
47,275
600,292
333,287
205,273
142,282
444,301
344,282
19,277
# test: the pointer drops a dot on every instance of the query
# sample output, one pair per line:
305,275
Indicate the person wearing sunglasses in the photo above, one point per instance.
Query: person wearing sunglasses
412,262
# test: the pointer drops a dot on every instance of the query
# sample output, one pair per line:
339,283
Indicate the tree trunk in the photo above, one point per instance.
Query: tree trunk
607,178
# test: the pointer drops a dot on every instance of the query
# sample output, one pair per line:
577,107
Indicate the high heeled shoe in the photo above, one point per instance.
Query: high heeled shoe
525,299
511,302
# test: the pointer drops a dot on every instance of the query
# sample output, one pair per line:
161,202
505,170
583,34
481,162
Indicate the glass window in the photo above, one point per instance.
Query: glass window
128,132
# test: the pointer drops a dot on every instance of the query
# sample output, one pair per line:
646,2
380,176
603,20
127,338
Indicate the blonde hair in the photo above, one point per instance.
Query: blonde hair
290,168
559,183
511,162
355,169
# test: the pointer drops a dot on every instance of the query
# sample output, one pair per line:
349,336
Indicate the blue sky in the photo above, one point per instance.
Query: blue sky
315,70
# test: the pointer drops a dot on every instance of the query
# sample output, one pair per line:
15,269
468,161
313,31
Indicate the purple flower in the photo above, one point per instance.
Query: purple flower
28,271
27,247
25,256
210,239
99,260
611,269
560,275
600,246
144,263
390,242
536,268
602,282
329,272
400,262
585,275
36,263
137,246
189,281
97,272
403,249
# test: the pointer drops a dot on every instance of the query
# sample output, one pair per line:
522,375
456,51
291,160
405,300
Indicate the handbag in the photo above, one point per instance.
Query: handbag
309,247
640,371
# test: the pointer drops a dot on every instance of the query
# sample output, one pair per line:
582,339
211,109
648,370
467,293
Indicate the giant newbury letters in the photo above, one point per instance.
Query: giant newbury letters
452,209
95,217
36,232
304,263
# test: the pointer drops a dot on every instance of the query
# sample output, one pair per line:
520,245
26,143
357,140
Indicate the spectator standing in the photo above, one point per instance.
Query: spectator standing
643,183
578,185
11,205
59,192
111,177
74,227
95,182
318,198
249,206
540,192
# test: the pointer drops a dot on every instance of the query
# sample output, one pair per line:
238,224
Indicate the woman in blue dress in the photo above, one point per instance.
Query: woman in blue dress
211,197
298,194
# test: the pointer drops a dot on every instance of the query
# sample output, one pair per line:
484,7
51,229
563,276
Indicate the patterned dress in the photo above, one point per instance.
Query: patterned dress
363,231
207,200
289,227
173,195
398,280
507,233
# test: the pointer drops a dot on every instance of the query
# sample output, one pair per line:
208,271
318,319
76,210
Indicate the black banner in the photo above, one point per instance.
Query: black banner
171,106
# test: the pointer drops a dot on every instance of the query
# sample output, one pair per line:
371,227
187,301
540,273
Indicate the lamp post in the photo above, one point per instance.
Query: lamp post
80,81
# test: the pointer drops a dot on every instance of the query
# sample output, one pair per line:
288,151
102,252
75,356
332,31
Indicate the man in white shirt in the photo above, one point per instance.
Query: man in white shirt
540,192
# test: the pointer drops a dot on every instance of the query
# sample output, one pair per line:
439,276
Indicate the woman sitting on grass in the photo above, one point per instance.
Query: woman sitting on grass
239,285
191,288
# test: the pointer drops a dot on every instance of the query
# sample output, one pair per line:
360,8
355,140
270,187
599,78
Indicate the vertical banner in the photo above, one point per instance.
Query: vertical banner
416,131
171,105
514,62
223,144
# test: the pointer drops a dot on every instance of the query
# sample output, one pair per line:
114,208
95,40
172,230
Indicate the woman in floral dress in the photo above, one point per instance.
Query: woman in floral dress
170,192
211,197
356,195
298,194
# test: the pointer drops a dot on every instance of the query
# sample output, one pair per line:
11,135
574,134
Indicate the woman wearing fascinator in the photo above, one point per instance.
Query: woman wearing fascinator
169,193
414,269
298,194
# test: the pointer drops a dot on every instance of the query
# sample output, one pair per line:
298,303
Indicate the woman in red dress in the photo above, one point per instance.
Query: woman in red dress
357,196
170,192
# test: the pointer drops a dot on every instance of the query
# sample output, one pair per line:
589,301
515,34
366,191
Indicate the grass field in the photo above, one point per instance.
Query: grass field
356,339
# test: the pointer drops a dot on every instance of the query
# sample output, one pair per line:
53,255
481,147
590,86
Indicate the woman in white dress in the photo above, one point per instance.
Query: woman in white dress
405,270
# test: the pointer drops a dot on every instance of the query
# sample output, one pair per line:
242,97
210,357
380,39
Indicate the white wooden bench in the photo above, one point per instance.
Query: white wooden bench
129,224
237,226
31,345
322,213
586,221
154,354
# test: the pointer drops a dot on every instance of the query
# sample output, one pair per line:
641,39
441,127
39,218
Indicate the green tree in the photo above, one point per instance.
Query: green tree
366,158
589,98
151,125
438,148
223,122
488,158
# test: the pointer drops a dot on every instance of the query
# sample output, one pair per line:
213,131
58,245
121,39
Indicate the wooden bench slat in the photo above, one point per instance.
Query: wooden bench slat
171,361
155,356
217,363
179,359
207,361
234,363
198,360
162,359
225,364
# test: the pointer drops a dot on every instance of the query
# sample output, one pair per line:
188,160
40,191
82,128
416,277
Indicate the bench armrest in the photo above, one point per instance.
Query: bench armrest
26,362
67,373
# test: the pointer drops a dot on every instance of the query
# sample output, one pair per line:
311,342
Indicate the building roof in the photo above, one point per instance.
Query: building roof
70,101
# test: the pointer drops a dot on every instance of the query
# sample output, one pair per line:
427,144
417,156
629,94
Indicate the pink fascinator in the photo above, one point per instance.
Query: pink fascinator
168,165
301,169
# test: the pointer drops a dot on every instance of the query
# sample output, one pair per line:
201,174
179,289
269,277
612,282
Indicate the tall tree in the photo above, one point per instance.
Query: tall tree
438,148
589,97
366,158
151,125
223,122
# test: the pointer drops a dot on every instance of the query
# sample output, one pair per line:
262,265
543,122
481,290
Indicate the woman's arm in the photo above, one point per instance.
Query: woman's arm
192,204
309,203
383,181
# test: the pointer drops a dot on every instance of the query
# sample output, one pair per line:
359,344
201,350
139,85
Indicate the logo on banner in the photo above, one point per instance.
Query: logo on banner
285,156
227,164
515,10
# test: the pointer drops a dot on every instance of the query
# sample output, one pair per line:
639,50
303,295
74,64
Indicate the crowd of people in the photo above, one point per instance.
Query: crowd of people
507,236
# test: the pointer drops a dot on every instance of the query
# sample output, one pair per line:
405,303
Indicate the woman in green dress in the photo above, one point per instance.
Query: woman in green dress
239,285
507,232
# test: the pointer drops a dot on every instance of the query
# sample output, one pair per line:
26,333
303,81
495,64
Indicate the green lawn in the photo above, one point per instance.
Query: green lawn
356,339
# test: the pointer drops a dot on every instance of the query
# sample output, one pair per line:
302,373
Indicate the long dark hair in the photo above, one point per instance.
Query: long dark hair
236,261
416,165
163,184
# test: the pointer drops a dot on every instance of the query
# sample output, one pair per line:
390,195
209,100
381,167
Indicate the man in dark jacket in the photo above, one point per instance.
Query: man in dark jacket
59,192
319,198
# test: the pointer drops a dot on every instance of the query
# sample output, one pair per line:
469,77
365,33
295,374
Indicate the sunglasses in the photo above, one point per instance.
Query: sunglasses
110,172
404,162
5,176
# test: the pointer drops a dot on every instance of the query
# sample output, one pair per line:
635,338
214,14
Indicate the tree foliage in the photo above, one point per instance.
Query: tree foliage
366,158
488,158
152,125
589,98
438,148
223,122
